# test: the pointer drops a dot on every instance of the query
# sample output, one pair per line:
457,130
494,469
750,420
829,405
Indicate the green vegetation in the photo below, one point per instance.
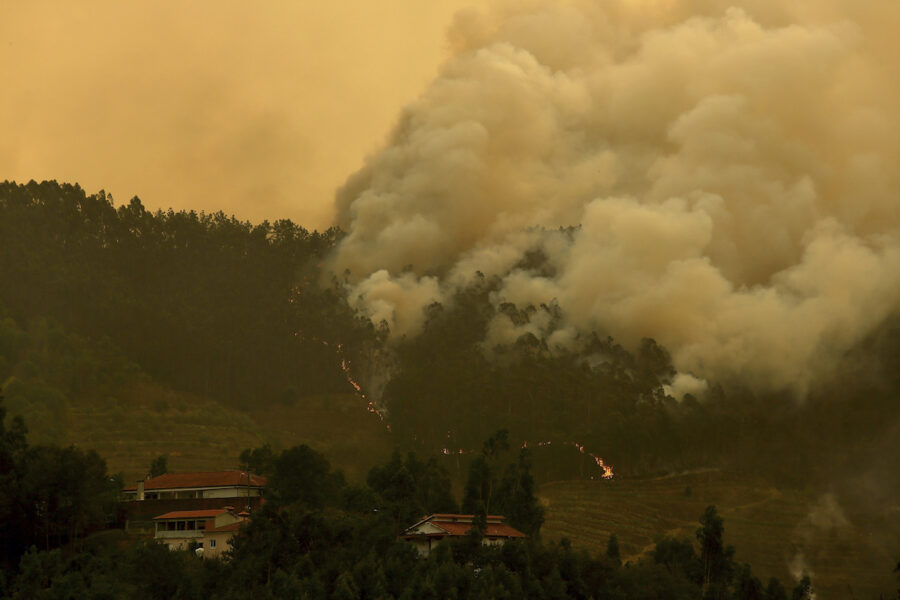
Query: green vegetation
202,302
317,537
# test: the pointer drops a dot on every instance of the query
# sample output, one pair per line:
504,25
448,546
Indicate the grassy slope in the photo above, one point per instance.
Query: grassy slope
197,433
769,527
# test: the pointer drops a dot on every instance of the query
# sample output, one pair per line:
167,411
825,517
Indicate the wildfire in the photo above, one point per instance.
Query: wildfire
370,404
448,451
373,408
607,469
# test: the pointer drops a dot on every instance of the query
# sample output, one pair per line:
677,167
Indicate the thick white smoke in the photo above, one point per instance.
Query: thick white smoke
732,172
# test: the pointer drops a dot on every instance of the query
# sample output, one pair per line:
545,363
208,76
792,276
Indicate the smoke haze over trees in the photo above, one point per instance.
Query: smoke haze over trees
234,311
444,388
730,175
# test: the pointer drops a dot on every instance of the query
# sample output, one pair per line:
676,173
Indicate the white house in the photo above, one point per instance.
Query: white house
210,529
433,529
208,484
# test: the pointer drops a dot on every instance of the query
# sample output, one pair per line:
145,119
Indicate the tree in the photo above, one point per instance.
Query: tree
258,460
612,550
478,485
716,558
66,492
303,475
159,466
410,488
803,589
345,588
747,587
897,570
678,556
482,479
12,441
775,591
516,499
12,527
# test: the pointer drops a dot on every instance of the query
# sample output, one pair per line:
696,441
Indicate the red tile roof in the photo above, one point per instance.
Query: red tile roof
457,525
229,527
446,516
492,530
192,514
206,479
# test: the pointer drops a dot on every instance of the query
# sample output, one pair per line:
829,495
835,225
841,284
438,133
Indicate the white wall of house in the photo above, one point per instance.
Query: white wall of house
232,492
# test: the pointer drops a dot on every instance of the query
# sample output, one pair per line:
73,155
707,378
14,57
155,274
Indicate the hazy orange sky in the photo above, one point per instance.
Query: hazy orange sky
257,109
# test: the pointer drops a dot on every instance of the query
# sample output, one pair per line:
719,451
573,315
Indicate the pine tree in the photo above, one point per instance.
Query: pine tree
612,549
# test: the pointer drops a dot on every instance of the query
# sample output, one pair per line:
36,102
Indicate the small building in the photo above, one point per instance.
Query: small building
207,484
433,529
210,530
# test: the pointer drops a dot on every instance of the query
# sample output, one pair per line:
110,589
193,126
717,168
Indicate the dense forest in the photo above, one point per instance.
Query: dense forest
203,302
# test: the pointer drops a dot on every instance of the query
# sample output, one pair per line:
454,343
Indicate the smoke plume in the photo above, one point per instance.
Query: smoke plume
724,180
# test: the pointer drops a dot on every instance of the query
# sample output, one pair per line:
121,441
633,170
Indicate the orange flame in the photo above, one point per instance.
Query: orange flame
607,469
370,404
373,408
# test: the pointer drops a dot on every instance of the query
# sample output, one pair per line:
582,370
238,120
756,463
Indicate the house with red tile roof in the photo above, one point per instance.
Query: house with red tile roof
206,484
210,529
204,490
433,529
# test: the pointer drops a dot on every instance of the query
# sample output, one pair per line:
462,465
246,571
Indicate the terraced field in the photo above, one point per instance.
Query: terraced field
776,531
197,433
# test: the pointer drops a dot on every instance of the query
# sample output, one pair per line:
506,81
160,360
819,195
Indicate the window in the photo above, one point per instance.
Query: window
212,543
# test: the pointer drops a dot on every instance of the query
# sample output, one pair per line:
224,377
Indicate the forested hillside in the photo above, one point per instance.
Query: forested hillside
208,335
246,315
203,302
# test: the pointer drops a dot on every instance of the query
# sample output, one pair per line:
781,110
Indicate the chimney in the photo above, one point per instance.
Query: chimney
140,490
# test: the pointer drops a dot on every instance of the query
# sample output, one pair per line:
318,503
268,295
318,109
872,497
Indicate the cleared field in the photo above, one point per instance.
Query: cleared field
776,531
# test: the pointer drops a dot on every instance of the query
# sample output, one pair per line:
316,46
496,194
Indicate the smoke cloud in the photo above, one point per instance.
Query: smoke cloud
729,178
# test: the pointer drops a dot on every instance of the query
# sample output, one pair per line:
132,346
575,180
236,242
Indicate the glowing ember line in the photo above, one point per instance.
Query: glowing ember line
607,469
373,408
370,404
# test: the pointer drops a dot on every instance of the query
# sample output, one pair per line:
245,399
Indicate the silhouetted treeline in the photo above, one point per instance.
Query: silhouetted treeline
203,302
49,495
